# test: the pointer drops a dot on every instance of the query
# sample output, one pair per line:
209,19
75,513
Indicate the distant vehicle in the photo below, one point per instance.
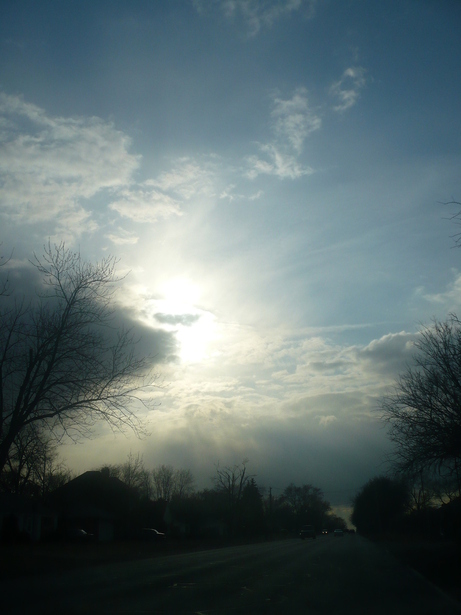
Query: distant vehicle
324,532
149,533
78,535
307,531
338,533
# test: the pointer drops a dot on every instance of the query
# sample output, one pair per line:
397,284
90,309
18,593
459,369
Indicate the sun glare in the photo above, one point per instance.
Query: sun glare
195,328
195,339
180,292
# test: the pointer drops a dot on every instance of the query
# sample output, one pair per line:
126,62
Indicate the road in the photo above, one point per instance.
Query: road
341,576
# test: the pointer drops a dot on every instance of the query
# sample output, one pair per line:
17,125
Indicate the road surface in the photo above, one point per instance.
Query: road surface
341,576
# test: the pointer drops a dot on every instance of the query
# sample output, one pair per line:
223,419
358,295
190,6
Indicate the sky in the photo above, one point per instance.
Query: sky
276,178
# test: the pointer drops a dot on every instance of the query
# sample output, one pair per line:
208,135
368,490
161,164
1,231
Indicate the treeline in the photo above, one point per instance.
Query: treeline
167,498
234,506
426,504
162,483
422,493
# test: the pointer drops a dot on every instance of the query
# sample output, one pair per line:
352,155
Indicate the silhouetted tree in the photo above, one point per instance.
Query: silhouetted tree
184,483
423,489
133,473
307,505
380,505
230,482
168,482
32,466
457,220
62,365
4,283
424,412
163,479
251,511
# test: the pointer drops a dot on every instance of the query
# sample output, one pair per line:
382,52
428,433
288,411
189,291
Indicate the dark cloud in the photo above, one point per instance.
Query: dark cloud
344,404
177,319
160,345
389,355
339,457
25,285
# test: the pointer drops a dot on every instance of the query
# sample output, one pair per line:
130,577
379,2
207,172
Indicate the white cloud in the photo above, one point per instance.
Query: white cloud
277,163
49,165
268,397
347,89
122,237
164,196
293,122
187,178
145,204
447,301
259,14
72,223
324,421
287,374
229,193
256,195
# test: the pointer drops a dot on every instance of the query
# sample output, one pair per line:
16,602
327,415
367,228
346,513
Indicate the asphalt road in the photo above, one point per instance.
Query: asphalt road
327,575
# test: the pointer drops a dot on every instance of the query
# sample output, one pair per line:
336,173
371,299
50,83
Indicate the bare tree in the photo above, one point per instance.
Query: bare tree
230,481
421,490
32,466
63,365
164,482
168,482
50,473
134,474
184,483
424,411
4,283
456,218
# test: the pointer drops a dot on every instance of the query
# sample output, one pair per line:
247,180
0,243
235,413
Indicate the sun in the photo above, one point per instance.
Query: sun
180,293
194,327
195,339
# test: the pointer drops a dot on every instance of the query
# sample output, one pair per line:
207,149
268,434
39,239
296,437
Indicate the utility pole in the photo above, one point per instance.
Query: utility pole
270,511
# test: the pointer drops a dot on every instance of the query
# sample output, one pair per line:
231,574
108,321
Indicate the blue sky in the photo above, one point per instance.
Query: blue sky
273,174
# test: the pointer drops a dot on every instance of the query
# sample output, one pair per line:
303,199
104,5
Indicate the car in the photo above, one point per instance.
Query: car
338,533
307,531
78,535
324,532
149,533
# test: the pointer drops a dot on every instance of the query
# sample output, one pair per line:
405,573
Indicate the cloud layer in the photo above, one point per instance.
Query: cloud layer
50,165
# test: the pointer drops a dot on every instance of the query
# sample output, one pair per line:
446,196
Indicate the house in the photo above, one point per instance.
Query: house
96,502
26,519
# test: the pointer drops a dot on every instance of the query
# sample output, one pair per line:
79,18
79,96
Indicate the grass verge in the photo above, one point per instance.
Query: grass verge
438,561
